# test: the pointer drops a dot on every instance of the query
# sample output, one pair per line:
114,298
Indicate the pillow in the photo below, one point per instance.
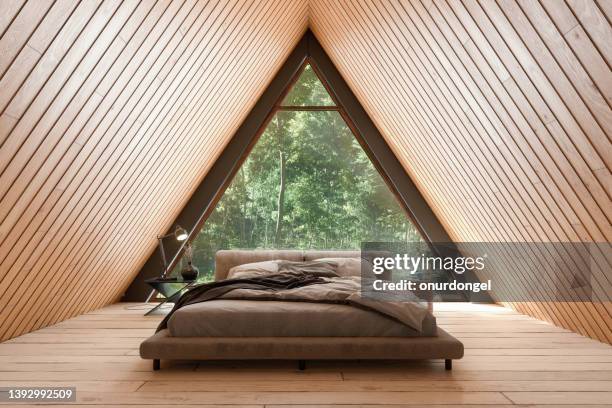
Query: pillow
253,269
324,269
346,266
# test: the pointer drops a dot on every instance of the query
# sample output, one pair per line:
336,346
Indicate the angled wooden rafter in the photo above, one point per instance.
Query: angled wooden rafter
211,189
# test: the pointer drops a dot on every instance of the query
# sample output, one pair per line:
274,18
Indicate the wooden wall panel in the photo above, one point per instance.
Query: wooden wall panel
500,111
112,112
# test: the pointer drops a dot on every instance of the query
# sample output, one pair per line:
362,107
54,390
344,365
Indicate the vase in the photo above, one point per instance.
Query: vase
190,272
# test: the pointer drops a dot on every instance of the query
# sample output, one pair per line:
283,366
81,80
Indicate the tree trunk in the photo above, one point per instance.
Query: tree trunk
244,208
281,201
280,204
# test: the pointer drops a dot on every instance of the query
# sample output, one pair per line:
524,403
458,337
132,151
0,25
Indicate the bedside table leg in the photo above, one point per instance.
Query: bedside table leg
156,365
302,365
448,364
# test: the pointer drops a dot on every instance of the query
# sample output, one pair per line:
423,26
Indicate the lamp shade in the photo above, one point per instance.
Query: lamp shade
180,233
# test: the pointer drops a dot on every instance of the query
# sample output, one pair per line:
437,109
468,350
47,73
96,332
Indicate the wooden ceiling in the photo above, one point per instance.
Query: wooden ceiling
500,112
113,111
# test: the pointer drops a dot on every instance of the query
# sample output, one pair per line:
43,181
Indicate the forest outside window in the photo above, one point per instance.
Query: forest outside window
306,184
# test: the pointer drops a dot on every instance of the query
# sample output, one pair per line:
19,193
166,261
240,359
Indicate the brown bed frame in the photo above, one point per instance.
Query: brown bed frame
163,346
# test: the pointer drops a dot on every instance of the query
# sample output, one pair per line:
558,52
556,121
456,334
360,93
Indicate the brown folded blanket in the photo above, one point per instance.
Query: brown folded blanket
273,282
316,268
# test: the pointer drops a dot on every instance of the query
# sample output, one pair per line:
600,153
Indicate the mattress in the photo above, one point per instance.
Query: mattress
253,318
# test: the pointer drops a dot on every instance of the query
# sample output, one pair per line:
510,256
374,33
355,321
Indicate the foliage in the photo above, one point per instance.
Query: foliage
333,198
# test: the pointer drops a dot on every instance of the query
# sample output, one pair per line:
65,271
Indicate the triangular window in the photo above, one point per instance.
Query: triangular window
306,184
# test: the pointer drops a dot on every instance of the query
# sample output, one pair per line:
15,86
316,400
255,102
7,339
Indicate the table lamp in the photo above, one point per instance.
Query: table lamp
180,234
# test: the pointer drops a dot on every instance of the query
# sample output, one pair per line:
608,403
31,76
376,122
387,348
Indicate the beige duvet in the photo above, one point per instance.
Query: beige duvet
333,308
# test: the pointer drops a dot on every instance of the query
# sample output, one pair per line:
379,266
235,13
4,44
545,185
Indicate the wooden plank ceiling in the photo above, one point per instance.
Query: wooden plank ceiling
500,112
113,111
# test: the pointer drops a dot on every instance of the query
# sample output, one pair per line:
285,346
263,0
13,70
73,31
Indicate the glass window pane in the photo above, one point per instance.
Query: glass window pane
308,91
307,184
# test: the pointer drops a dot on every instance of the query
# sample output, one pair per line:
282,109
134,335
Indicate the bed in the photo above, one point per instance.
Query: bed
242,329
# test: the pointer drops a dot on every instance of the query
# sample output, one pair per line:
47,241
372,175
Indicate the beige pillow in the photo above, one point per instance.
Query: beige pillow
253,269
346,266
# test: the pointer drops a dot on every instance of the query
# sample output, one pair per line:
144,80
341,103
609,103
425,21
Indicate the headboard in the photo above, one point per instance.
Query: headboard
227,259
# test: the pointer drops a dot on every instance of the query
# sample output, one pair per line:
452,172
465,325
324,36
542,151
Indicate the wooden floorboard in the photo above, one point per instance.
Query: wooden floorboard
510,360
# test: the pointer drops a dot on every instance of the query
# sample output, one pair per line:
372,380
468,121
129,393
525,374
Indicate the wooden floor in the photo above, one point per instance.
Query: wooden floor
510,360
